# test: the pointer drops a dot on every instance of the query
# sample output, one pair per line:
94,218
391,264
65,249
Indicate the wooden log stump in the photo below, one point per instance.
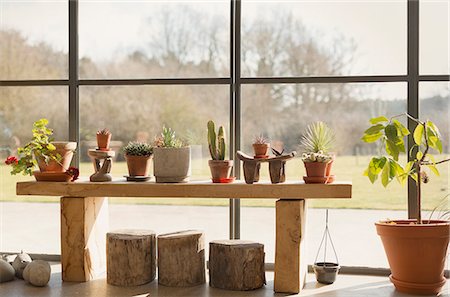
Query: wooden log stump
236,265
131,257
181,259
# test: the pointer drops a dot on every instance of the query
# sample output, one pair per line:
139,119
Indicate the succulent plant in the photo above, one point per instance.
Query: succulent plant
135,148
318,137
216,143
316,157
167,138
260,139
103,132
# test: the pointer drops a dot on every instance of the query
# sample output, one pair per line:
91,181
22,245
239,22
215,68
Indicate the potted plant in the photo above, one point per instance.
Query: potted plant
261,147
51,157
416,249
138,156
103,139
220,168
317,141
172,158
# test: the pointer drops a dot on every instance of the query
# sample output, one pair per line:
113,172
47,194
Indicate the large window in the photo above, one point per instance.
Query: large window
268,67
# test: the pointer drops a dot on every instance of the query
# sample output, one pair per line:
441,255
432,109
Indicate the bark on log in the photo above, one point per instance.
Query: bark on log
181,259
236,265
131,257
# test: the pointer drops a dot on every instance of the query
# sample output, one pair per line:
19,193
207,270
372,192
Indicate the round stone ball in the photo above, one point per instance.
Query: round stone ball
6,271
37,273
20,262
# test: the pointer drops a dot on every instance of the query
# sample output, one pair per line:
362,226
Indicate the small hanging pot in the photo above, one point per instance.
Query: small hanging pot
326,272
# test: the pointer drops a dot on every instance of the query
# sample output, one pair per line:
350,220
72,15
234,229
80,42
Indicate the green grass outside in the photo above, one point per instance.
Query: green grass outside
346,168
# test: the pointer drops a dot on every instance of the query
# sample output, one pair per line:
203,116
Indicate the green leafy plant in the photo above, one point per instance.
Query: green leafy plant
167,138
318,138
216,143
391,133
40,146
134,148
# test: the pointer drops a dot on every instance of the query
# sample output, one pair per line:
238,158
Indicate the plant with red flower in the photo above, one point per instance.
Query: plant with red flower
74,172
11,160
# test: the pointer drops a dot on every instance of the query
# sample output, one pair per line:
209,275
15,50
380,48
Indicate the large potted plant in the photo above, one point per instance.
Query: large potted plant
316,142
416,249
220,168
172,158
138,156
51,157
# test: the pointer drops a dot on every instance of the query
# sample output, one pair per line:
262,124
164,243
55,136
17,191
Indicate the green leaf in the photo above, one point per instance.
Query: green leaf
392,149
376,164
401,129
377,120
433,127
371,138
385,175
434,169
374,129
391,132
418,133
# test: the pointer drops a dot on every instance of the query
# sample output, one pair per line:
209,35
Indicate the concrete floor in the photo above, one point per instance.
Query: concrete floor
345,286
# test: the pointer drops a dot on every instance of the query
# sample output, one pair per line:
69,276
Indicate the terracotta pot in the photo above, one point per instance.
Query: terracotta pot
316,169
63,148
172,165
261,149
138,165
328,170
220,169
416,254
103,141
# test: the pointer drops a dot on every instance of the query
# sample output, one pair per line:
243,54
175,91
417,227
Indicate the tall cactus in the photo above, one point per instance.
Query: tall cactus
217,151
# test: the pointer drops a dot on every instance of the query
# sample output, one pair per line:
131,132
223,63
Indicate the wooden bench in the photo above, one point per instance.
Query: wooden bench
84,218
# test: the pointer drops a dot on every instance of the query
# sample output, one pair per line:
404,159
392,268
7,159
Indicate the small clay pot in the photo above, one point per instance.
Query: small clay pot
65,150
220,169
103,141
261,150
316,169
138,165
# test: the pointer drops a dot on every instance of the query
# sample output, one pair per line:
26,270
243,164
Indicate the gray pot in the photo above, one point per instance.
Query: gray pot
172,165
326,272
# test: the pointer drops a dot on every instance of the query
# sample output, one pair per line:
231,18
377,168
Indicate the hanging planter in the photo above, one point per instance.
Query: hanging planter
326,272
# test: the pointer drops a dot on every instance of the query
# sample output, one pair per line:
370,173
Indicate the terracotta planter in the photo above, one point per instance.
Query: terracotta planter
172,165
138,165
103,141
316,169
220,170
261,150
328,170
63,148
416,254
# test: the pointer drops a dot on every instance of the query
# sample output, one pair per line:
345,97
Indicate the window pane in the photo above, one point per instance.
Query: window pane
140,39
22,224
138,113
309,38
434,106
282,113
434,37
33,39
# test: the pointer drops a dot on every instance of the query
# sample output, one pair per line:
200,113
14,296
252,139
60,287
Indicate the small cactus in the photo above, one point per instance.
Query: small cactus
216,148
134,148
103,132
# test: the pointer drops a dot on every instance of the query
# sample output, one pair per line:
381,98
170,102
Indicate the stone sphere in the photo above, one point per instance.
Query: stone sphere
6,271
37,273
20,262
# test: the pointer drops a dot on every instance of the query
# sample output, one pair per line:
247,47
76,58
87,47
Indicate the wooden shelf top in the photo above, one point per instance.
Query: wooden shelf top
193,189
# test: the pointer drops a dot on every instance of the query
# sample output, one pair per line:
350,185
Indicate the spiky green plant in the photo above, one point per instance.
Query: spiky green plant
167,138
135,148
216,144
318,138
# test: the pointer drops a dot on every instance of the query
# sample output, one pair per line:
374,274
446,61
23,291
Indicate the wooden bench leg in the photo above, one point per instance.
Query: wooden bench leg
290,246
84,223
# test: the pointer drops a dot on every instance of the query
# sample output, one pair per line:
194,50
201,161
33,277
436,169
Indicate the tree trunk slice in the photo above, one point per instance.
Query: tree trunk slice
236,265
181,259
131,257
